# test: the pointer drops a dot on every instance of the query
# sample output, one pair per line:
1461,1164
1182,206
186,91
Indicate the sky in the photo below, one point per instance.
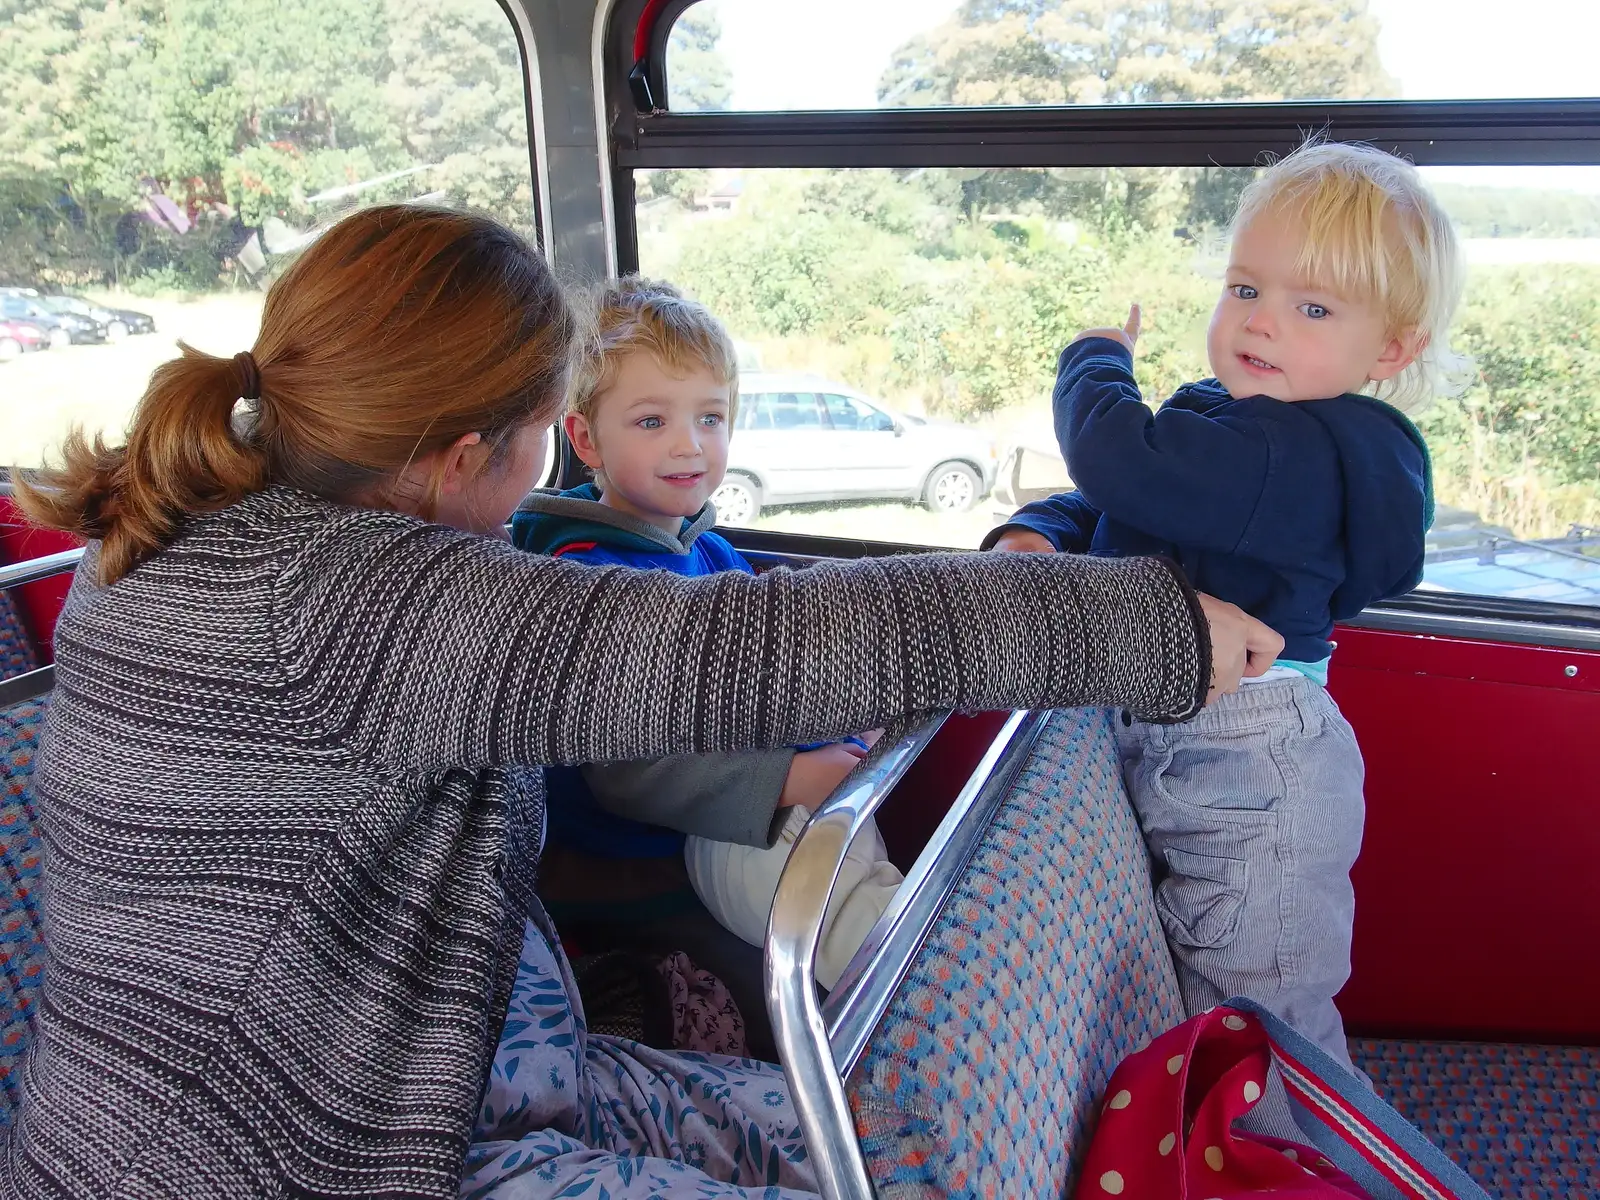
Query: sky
835,51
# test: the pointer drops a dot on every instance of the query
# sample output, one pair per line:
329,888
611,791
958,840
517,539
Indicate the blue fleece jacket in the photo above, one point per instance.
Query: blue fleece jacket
574,525
1301,514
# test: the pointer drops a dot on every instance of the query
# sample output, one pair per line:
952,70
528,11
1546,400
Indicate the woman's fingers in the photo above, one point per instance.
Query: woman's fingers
1241,646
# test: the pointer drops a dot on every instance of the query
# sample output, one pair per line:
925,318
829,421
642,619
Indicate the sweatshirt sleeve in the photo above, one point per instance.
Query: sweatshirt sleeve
1068,521
420,648
1182,476
725,797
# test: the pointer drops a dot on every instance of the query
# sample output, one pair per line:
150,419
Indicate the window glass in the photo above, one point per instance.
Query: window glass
846,412
794,410
161,161
945,296
754,55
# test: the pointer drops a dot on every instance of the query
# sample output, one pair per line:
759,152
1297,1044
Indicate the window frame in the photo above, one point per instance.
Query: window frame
1526,132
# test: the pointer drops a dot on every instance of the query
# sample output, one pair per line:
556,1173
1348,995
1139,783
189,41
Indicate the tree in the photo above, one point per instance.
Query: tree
1028,52
698,77
1140,51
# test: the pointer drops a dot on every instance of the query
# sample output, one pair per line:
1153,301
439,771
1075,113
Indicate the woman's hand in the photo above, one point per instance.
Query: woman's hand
1241,646
1024,541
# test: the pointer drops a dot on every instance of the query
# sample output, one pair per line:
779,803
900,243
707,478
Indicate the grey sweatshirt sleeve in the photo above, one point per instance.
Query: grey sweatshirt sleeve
420,649
724,797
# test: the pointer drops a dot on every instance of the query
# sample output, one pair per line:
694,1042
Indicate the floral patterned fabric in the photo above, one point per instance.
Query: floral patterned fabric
567,1113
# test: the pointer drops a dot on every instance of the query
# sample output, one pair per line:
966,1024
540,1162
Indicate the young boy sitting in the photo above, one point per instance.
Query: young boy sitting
1280,486
649,411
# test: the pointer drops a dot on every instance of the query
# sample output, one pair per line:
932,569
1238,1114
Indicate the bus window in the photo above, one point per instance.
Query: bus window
944,296
940,53
161,164
941,289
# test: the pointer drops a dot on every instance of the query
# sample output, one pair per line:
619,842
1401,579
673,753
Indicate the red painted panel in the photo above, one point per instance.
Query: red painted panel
41,602
1478,910
930,785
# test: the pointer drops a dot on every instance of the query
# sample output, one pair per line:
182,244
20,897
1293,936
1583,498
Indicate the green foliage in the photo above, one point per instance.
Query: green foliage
246,109
1530,331
698,77
1140,51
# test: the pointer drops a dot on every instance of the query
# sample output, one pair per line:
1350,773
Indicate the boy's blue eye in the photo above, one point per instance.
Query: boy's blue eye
1315,311
650,422
1244,291
711,420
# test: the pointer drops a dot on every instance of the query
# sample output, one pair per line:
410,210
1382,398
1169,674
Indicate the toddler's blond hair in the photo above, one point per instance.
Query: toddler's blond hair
1374,233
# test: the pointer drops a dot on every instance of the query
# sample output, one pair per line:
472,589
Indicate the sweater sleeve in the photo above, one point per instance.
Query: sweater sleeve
1181,476
725,797
423,649
1067,521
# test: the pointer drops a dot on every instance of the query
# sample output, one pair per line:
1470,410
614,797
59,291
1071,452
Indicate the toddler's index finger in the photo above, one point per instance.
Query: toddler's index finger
1134,320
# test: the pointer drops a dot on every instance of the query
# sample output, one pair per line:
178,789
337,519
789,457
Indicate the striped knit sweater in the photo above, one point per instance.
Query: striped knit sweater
291,825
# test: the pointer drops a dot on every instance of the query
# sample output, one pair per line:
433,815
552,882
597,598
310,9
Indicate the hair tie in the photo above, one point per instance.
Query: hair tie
249,375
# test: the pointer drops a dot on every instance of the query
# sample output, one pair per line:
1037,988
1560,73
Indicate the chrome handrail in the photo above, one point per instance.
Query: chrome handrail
820,1045
35,569
869,983
793,931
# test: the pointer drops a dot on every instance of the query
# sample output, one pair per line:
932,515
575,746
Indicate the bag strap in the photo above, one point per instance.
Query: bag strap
1358,1132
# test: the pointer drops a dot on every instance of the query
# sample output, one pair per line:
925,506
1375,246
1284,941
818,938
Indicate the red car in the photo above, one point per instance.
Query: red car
21,337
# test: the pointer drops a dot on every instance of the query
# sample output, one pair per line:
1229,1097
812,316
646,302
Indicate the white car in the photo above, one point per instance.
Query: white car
802,438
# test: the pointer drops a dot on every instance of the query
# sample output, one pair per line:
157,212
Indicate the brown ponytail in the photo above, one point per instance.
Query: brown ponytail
398,331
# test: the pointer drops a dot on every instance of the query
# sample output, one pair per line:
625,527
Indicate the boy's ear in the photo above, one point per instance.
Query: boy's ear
1400,352
582,438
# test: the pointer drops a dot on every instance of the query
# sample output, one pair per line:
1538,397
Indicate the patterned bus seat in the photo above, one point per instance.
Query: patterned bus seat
18,654
1045,969
21,939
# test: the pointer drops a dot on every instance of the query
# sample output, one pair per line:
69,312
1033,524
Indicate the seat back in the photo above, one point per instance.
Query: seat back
21,935
1045,968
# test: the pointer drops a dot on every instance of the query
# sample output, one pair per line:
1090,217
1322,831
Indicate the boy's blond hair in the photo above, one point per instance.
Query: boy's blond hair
633,315
1375,234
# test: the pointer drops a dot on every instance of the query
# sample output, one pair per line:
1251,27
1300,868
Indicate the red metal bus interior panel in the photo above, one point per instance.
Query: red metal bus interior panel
1477,901
40,602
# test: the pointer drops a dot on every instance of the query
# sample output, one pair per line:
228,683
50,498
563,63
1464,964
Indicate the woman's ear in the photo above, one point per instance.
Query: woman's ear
460,462
581,434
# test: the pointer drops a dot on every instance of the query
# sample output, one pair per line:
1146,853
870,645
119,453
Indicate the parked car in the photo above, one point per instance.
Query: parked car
801,438
119,322
21,337
24,304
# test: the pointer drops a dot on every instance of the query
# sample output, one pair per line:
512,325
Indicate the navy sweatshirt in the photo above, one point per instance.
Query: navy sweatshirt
1301,514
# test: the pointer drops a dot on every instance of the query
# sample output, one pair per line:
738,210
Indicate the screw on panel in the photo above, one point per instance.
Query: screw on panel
1571,672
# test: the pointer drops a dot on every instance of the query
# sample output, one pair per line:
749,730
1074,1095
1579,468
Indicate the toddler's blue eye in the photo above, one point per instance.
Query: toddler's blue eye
1244,291
1315,311
650,422
711,420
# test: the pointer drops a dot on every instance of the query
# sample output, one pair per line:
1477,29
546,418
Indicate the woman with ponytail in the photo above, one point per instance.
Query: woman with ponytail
289,787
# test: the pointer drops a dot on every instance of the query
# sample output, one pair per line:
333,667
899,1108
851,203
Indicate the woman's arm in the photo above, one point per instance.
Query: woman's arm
425,649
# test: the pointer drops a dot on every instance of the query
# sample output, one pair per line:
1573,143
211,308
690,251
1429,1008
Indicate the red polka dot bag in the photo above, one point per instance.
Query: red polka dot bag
1166,1126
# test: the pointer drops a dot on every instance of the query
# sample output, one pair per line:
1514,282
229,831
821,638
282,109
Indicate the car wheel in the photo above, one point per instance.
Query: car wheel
952,487
10,348
738,500
116,331
59,338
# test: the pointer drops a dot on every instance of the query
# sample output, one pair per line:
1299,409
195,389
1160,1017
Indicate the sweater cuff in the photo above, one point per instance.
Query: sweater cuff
1202,638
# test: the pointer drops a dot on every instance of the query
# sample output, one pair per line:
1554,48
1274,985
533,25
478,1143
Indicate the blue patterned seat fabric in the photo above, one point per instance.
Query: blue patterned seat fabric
17,652
1046,968
21,939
